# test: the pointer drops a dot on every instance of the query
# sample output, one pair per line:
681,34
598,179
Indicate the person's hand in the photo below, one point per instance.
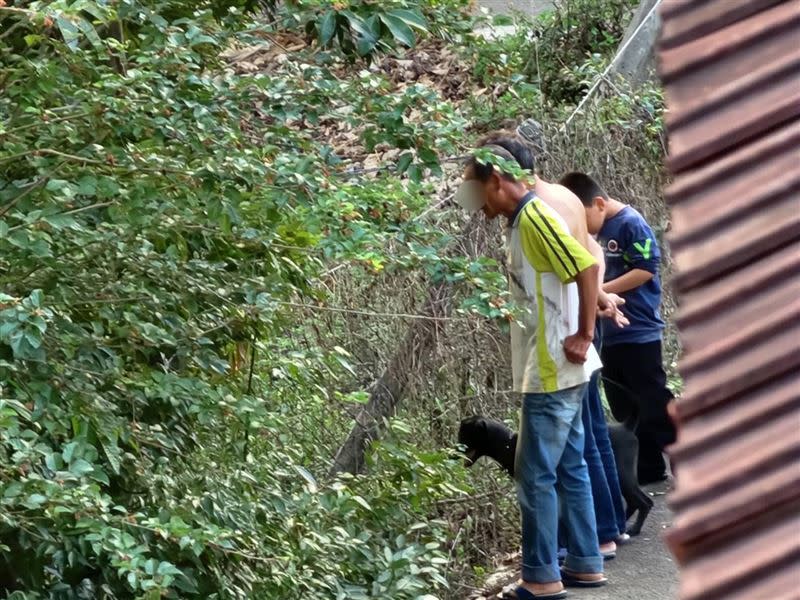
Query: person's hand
576,347
608,307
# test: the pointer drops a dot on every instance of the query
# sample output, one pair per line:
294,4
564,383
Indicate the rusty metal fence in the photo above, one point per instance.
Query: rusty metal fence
731,72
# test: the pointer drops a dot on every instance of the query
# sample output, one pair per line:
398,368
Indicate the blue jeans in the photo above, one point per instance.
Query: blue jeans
552,473
604,443
599,456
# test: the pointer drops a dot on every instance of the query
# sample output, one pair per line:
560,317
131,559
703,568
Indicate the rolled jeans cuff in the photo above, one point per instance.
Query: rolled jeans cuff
541,573
584,564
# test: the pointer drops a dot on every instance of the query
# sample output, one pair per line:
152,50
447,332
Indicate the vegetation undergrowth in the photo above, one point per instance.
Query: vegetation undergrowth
201,281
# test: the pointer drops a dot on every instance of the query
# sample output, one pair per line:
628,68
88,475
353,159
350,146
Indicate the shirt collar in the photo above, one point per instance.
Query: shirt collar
512,220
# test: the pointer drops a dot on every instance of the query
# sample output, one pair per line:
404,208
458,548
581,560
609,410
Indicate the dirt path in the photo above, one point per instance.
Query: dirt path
643,569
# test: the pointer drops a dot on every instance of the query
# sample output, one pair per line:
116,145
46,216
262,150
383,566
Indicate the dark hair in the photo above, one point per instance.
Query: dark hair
514,145
507,147
584,187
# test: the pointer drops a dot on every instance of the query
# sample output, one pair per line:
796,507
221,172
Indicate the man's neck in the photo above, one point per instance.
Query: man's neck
613,207
521,194
511,214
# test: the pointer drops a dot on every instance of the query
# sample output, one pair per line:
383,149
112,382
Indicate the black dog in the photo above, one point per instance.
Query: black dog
487,437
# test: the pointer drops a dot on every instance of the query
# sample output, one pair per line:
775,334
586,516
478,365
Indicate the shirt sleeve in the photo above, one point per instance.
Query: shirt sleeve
548,246
641,249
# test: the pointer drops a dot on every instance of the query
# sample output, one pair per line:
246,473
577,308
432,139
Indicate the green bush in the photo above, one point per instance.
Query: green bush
166,229
544,51
149,243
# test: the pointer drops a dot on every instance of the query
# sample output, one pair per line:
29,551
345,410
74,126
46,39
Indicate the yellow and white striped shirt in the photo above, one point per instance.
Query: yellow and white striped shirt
543,260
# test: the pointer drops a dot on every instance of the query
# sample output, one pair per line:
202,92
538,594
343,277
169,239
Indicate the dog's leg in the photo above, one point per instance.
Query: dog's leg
637,503
626,450
636,528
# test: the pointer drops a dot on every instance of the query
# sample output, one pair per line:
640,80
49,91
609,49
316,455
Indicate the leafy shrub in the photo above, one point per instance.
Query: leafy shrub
357,27
546,49
167,231
149,243
362,28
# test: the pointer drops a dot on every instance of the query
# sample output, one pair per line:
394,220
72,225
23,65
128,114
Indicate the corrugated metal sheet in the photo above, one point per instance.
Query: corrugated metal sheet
731,71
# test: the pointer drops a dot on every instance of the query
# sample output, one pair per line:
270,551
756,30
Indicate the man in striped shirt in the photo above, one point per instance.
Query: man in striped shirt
555,279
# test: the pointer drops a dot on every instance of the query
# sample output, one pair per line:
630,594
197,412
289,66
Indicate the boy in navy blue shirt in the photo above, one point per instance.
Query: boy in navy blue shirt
634,377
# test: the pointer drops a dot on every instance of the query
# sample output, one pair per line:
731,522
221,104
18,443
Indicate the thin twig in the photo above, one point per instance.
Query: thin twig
262,559
113,300
369,313
433,207
93,161
45,123
11,29
276,42
462,499
19,197
123,56
24,11
61,214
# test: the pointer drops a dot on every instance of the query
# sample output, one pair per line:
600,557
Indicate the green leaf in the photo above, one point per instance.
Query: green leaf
365,45
186,584
404,162
18,344
60,221
36,297
410,17
55,185
68,451
345,364
327,27
202,39
428,155
80,467
7,328
373,25
34,341
112,453
415,173
356,397
362,502
69,32
13,490
100,476
87,186
39,323
35,500
99,10
166,568
89,31
366,39
401,32
312,483
150,566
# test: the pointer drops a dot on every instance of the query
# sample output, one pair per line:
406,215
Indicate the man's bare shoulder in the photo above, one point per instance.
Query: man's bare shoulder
565,203
566,196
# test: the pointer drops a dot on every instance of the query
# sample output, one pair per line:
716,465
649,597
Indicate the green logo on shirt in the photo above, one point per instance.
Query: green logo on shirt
644,250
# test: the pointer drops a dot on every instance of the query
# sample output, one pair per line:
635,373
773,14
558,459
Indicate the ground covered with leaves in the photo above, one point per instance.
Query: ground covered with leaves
217,220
